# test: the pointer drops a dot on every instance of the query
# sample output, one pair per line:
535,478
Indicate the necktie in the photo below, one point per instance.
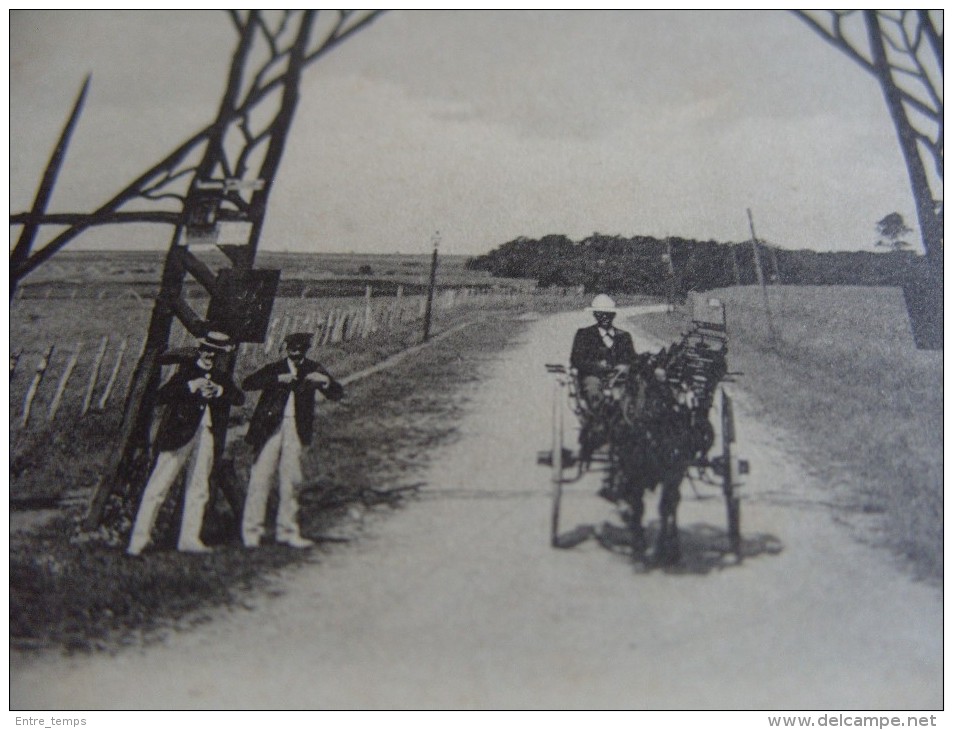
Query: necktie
607,338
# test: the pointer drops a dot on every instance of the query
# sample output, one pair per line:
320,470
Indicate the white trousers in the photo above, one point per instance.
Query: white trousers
202,450
281,453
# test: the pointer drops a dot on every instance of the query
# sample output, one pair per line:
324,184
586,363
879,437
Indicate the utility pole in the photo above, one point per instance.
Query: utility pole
734,264
430,288
671,272
774,264
764,290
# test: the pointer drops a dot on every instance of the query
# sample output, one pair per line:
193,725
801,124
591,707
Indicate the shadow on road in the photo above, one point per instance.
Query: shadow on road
704,548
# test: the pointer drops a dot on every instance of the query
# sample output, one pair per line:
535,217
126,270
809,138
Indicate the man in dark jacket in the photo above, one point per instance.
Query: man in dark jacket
282,423
600,350
197,399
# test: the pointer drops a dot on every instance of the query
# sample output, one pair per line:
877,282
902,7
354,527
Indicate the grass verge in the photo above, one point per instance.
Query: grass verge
86,596
865,406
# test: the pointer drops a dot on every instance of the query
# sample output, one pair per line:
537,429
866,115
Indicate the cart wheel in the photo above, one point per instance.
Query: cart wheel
557,463
732,503
734,526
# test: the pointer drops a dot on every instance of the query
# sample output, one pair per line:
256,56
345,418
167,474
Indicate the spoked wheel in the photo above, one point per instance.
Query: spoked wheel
732,503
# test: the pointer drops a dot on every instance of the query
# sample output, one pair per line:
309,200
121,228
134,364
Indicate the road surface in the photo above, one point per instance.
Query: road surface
458,601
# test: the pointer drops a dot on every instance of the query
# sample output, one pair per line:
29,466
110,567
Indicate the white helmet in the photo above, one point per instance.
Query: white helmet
602,303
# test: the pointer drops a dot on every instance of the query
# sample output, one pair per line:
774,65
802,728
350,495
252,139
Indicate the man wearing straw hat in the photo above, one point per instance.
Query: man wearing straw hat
197,399
281,425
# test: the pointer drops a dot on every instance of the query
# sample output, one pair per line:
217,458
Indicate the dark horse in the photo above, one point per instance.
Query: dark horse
650,446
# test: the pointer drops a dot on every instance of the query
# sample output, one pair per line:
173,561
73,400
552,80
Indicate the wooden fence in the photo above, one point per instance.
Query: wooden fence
75,380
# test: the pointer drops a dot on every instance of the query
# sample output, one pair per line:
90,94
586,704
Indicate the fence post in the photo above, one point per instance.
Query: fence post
338,333
327,328
35,386
270,334
349,326
110,384
142,349
94,376
14,361
281,330
64,379
368,323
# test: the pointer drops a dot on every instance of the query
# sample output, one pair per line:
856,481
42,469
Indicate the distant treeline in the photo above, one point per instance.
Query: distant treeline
675,266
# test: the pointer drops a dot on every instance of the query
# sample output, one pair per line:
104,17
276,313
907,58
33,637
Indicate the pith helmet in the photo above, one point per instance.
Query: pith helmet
602,303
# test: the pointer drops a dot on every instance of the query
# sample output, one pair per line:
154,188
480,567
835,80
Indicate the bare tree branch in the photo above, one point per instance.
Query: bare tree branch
337,38
266,32
128,193
88,220
166,179
149,195
835,38
935,38
236,21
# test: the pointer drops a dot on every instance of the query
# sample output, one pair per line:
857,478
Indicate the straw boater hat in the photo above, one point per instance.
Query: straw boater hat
602,303
218,341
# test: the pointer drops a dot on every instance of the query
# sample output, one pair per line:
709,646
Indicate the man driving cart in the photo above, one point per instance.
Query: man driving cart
600,353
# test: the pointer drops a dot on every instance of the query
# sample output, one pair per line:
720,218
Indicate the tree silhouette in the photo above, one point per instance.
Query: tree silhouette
892,228
903,50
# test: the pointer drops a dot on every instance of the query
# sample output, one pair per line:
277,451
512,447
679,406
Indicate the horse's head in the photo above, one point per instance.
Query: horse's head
646,392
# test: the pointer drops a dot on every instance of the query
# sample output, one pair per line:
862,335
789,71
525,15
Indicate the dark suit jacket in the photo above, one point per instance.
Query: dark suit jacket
184,408
266,420
588,349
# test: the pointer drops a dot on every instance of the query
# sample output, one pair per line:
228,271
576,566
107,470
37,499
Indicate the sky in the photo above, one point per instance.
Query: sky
485,126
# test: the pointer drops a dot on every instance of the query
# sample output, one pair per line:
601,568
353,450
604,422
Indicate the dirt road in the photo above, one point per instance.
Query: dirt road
458,601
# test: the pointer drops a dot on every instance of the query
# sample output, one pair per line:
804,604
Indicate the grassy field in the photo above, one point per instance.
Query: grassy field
865,406
91,274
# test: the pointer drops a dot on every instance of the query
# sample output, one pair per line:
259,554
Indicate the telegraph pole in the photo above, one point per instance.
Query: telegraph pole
764,290
430,288
671,272
734,264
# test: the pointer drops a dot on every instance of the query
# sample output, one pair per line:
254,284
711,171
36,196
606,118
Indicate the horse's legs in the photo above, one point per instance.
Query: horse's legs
633,493
667,548
633,516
